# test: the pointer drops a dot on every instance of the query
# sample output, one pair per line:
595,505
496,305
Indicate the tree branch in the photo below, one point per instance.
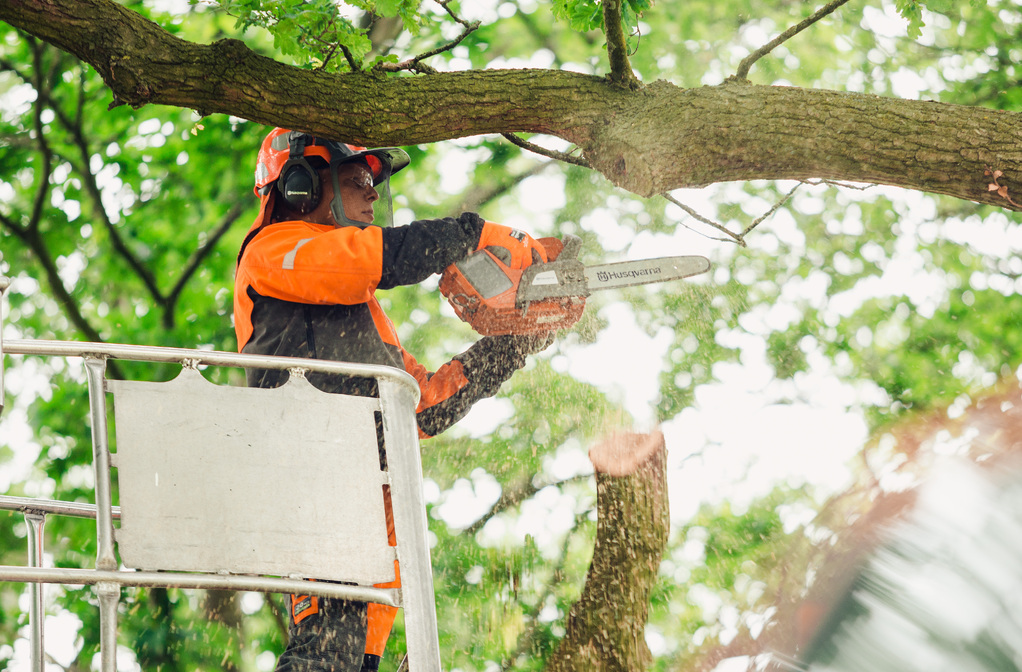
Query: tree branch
74,129
45,155
543,151
122,249
526,641
13,226
617,46
35,243
512,497
29,233
759,220
478,196
732,237
382,31
348,56
748,61
415,64
648,141
81,143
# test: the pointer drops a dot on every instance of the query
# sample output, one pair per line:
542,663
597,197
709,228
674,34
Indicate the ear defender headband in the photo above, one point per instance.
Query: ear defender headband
299,181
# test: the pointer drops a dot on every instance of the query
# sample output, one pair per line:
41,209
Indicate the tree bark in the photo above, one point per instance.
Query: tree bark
649,141
606,627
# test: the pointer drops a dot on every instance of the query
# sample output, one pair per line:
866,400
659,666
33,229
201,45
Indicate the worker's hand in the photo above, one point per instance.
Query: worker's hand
515,249
532,343
509,351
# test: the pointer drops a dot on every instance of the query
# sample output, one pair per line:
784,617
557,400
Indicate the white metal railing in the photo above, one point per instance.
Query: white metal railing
341,419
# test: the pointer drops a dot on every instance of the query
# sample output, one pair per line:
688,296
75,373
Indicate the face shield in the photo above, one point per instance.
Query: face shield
382,163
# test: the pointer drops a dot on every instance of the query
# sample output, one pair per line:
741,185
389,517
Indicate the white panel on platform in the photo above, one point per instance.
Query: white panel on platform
245,480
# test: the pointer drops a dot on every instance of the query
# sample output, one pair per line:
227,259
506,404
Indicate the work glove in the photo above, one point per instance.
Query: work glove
515,248
525,345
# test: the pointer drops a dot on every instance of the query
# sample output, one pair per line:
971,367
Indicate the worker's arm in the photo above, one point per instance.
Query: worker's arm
309,263
475,374
414,252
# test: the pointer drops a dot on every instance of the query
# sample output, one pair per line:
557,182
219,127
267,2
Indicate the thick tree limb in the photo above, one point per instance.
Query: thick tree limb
605,628
648,141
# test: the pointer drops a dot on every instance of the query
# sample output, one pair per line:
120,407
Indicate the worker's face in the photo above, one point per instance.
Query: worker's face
357,192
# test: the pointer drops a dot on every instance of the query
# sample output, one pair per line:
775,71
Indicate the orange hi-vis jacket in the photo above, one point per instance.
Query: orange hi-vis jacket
308,290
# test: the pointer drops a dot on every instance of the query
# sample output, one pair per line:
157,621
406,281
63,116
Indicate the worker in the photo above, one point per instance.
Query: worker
305,286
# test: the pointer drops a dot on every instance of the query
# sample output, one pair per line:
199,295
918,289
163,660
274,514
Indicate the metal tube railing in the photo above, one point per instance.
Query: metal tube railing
5,282
152,353
35,522
73,509
106,558
264,584
411,527
398,390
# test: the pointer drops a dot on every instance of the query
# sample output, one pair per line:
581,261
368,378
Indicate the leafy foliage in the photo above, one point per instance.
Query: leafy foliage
913,11
586,15
313,31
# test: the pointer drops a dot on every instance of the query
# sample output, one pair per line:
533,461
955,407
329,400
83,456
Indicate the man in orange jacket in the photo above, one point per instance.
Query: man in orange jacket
305,286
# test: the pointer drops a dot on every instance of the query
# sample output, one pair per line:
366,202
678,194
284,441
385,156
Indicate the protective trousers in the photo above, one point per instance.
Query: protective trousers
333,635
337,637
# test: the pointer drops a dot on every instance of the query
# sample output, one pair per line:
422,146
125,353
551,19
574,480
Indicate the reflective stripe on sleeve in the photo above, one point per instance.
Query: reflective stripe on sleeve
289,258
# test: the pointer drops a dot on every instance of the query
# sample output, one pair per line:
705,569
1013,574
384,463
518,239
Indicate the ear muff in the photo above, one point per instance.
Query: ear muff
299,182
299,185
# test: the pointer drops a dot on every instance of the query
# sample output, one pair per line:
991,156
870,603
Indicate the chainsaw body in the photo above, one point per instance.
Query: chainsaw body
497,300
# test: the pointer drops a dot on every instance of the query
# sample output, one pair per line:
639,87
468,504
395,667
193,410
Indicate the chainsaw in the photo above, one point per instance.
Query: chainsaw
544,297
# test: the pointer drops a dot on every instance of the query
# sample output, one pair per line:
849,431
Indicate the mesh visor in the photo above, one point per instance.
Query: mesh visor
382,162
383,208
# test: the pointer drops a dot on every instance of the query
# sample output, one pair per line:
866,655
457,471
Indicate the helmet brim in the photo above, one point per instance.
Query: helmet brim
390,160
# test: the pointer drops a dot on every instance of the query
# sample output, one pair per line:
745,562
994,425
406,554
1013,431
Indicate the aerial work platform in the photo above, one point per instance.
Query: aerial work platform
236,488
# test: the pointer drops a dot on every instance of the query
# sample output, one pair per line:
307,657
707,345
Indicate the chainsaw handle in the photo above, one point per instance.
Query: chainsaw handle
561,248
572,246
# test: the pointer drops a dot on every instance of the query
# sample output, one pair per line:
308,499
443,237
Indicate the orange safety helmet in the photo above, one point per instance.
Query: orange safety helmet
275,153
284,161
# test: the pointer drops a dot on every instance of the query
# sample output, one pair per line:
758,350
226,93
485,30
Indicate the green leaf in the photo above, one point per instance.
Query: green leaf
388,7
913,12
